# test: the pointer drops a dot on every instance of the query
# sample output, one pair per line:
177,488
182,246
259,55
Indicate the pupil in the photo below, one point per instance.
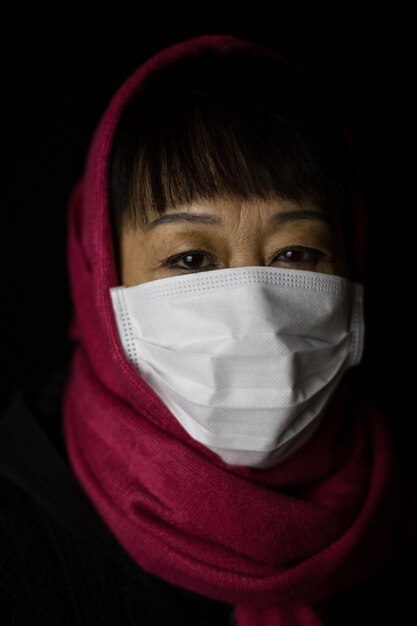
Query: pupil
194,261
293,255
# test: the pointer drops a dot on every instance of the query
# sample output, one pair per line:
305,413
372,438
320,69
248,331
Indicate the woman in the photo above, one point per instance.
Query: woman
222,462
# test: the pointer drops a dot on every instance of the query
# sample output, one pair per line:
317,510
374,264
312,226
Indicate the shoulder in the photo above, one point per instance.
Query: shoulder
385,598
49,574
59,563
56,563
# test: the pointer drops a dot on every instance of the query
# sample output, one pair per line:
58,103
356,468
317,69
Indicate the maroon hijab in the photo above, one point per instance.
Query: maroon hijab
275,542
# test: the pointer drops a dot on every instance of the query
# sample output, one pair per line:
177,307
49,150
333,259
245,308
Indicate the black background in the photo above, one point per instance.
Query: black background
60,67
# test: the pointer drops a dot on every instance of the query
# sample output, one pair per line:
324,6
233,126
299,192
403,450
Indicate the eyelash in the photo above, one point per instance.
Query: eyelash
314,254
172,262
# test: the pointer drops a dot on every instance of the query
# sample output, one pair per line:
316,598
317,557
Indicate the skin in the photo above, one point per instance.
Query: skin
224,233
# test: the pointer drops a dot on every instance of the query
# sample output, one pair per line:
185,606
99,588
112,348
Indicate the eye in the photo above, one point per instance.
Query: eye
192,260
299,255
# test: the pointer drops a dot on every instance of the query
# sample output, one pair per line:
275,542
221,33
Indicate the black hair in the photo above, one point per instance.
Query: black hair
232,125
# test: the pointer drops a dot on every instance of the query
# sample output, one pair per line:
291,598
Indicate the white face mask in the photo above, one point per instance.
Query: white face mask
245,359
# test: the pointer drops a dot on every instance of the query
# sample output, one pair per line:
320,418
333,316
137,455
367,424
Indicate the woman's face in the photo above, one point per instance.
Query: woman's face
226,233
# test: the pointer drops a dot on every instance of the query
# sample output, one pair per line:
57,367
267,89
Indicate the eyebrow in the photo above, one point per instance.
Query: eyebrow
206,218
195,218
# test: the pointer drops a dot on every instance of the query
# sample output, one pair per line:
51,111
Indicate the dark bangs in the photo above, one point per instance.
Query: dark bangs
234,126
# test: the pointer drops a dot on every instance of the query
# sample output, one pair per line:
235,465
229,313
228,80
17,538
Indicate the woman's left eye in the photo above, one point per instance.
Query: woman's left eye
299,255
193,260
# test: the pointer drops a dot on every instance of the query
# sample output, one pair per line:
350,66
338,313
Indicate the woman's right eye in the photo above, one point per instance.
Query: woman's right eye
192,261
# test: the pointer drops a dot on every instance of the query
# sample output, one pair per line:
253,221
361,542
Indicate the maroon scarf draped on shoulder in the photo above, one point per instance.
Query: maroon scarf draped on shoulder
272,542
